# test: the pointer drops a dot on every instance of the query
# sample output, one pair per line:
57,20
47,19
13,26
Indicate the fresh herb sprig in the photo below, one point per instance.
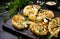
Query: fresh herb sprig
2,7
49,37
41,11
13,5
42,3
20,37
5,19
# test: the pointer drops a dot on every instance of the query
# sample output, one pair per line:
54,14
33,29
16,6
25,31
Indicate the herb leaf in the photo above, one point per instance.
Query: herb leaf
13,5
20,37
49,37
41,2
5,19
41,11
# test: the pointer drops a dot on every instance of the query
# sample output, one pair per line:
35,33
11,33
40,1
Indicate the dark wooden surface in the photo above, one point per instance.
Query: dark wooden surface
26,32
4,34
9,34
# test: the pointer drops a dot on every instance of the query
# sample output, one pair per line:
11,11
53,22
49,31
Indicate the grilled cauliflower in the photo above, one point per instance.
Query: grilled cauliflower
19,22
39,29
33,9
45,14
54,26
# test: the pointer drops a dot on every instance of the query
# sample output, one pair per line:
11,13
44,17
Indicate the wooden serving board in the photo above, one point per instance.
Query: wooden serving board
25,32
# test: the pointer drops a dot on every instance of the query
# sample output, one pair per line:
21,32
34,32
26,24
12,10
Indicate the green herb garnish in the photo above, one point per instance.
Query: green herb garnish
41,11
49,37
20,37
2,7
3,13
40,30
26,18
41,2
38,37
13,5
5,19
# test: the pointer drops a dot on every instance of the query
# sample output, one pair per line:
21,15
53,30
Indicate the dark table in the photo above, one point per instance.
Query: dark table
4,34
7,35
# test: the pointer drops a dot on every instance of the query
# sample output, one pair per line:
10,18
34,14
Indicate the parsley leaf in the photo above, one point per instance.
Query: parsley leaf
41,11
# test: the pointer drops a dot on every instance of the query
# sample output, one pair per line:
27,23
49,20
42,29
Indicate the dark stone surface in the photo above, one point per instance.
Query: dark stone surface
4,34
11,29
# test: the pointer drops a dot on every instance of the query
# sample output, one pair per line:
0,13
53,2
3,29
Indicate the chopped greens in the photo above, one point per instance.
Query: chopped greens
20,37
2,7
26,18
49,37
41,11
41,2
5,19
13,5
38,37
3,13
40,30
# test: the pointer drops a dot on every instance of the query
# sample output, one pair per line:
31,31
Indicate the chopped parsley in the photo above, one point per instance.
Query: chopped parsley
26,18
40,30
41,11
42,3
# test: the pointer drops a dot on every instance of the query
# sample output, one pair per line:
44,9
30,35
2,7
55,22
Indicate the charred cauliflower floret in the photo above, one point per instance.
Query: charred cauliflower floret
39,29
33,9
54,26
44,15
18,22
